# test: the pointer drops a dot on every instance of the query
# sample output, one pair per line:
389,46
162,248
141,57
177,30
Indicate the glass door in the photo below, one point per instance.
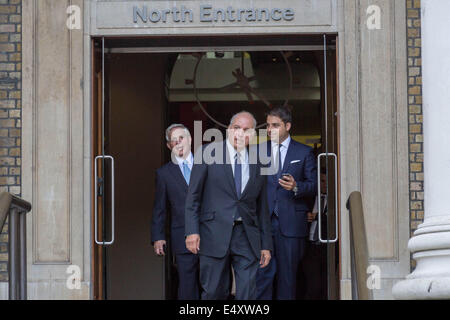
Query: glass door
327,164
103,164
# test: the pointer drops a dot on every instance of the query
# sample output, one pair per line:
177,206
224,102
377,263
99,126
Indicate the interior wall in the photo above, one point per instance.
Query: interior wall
136,131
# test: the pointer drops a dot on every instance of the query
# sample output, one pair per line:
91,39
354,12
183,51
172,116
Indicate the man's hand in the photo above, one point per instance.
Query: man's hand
311,216
265,258
287,182
193,243
159,247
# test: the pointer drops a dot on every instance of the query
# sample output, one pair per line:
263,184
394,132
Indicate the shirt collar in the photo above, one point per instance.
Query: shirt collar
188,159
232,152
285,143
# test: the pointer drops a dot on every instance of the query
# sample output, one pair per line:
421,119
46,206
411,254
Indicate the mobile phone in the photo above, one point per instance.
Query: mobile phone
285,175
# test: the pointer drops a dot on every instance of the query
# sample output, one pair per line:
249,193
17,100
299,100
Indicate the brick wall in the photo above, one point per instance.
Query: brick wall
10,110
415,115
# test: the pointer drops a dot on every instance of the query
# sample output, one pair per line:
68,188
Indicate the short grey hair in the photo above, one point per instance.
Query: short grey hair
243,112
175,126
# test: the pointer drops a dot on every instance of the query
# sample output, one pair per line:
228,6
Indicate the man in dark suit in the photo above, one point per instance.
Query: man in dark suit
172,182
227,220
287,190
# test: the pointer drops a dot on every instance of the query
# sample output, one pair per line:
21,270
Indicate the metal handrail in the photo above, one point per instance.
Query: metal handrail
359,249
17,209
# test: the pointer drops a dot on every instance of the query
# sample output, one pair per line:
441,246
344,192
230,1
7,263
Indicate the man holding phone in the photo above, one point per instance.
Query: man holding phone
288,191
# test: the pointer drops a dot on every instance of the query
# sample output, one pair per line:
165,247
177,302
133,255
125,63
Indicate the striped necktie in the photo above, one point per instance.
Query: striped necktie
238,174
280,166
186,172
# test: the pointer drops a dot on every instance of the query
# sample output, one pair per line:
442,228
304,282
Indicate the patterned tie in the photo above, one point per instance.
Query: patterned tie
280,166
275,209
238,179
238,174
186,172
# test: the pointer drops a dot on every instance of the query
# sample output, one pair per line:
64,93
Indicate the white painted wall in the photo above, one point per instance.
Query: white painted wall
436,105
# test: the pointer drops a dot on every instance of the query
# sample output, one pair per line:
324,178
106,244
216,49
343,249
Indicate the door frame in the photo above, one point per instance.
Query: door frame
96,264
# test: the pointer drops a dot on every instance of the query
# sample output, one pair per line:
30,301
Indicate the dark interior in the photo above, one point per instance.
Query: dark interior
141,101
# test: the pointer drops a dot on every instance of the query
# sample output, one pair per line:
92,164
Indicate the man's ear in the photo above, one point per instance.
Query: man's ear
168,146
288,126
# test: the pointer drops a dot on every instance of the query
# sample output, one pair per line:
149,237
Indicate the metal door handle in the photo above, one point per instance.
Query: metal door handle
318,196
105,243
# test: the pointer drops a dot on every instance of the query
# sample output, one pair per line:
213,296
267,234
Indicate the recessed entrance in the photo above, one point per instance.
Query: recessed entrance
141,85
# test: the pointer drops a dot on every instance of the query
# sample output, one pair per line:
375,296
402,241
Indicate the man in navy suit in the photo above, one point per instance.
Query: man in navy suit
172,182
227,221
287,191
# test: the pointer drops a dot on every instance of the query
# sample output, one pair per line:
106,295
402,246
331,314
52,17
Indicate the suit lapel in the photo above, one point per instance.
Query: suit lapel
269,153
177,175
287,160
251,179
289,156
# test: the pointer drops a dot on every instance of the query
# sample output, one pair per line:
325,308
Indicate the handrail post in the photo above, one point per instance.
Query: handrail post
17,210
14,263
354,276
358,249
23,255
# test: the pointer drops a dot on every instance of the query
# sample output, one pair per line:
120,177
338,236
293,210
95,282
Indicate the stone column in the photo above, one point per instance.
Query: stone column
431,242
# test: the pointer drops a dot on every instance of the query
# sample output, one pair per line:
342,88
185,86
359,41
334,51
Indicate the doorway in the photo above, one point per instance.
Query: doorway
141,85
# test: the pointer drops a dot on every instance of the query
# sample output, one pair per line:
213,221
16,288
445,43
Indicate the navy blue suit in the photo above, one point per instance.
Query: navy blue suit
170,195
289,225
212,205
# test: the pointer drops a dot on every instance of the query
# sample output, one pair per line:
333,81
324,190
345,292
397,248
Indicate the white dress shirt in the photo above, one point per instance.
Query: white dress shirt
189,160
283,150
244,163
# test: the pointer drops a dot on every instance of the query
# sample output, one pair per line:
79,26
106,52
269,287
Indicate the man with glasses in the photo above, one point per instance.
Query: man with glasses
172,181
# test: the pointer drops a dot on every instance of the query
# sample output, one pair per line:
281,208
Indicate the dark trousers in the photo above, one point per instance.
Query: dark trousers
215,272
188,276
281,273
314,269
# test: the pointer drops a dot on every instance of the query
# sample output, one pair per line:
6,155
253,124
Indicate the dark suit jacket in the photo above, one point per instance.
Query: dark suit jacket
170,196
292,209
212,204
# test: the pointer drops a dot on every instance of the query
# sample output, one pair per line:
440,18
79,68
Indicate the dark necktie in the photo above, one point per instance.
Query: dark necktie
186,172
237,180
238,174
275,209
280,167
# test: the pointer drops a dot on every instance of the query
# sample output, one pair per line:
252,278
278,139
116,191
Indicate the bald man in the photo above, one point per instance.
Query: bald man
226,215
